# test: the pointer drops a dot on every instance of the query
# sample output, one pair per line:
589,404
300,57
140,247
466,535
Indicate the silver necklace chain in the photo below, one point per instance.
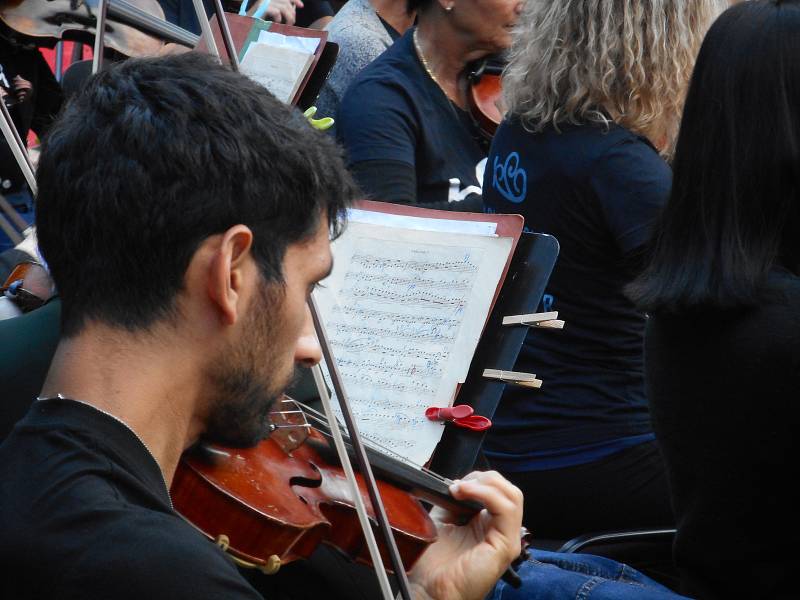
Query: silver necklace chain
128,427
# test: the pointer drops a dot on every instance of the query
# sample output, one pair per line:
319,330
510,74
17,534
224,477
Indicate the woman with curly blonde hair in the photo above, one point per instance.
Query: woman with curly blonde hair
595,90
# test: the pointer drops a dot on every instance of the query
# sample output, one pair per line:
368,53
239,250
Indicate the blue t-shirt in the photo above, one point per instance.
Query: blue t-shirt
597,190
394,111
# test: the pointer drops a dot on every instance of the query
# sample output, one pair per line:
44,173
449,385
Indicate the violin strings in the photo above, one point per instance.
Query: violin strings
315,415
319,417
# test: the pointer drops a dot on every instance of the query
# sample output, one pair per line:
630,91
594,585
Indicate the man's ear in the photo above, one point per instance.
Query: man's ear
227,274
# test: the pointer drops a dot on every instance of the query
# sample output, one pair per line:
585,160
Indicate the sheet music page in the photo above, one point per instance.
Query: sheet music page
280,69
404,310
304,44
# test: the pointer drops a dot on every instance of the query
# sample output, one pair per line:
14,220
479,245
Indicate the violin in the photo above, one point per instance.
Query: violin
485,92
131,29
274,503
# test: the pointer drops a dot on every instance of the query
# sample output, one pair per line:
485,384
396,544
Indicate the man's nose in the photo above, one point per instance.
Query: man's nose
308,352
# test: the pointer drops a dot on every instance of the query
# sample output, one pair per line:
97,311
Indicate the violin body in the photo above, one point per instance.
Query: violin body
276,506
483,103
77,19
485,93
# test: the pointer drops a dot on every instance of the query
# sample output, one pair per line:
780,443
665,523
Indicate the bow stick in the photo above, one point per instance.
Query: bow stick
361,457
20,152
99,36
358,501
227,38
205,27
18,148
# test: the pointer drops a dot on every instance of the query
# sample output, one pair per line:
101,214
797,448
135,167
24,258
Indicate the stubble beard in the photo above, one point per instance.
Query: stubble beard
248,378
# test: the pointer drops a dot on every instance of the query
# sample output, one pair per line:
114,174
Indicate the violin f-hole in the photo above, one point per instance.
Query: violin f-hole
307,482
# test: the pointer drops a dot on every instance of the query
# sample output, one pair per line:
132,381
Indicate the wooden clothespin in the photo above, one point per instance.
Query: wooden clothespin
513,377
545,320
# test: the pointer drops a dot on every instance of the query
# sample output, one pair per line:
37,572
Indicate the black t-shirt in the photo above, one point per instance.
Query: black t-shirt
723,389
85,514
183,14
597,191
37,112
312,10
393,112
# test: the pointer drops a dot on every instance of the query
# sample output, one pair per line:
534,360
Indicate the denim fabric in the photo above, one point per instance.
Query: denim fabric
558,576
23,203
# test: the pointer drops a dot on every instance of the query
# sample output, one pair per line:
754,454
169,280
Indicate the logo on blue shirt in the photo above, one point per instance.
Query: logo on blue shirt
509,179
547,302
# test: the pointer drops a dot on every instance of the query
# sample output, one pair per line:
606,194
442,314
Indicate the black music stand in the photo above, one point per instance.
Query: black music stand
318,77
498,348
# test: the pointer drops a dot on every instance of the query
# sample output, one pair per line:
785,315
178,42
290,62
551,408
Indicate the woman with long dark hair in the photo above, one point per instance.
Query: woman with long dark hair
723,293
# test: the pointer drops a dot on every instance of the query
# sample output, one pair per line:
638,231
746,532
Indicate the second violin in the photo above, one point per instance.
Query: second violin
485,94
135,28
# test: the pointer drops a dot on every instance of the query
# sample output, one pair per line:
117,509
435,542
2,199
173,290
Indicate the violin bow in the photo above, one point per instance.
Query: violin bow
205,27
358,501
99,36
363,462
14,222
18,148
227,38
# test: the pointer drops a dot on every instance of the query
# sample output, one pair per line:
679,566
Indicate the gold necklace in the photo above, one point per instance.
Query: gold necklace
425,61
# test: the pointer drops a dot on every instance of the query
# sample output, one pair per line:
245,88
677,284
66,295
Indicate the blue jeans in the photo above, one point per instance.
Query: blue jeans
557,576
22,202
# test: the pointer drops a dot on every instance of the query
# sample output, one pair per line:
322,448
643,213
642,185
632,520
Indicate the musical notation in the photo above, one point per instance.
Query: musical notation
410,282
379,316
370,262
396,313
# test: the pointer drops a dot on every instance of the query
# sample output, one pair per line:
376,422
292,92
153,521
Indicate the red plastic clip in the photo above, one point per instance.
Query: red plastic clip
448,413
460,415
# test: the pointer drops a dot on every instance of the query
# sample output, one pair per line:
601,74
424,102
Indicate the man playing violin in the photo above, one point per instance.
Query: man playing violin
186,216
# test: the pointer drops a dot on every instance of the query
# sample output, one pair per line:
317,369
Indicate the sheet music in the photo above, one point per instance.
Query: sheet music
307,45
280,69
404,310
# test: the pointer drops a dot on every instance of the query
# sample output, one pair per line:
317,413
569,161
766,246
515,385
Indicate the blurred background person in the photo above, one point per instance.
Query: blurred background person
363,29
404,120
595,91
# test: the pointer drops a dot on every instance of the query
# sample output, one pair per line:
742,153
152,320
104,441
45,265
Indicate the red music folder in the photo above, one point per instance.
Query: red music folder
244,30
